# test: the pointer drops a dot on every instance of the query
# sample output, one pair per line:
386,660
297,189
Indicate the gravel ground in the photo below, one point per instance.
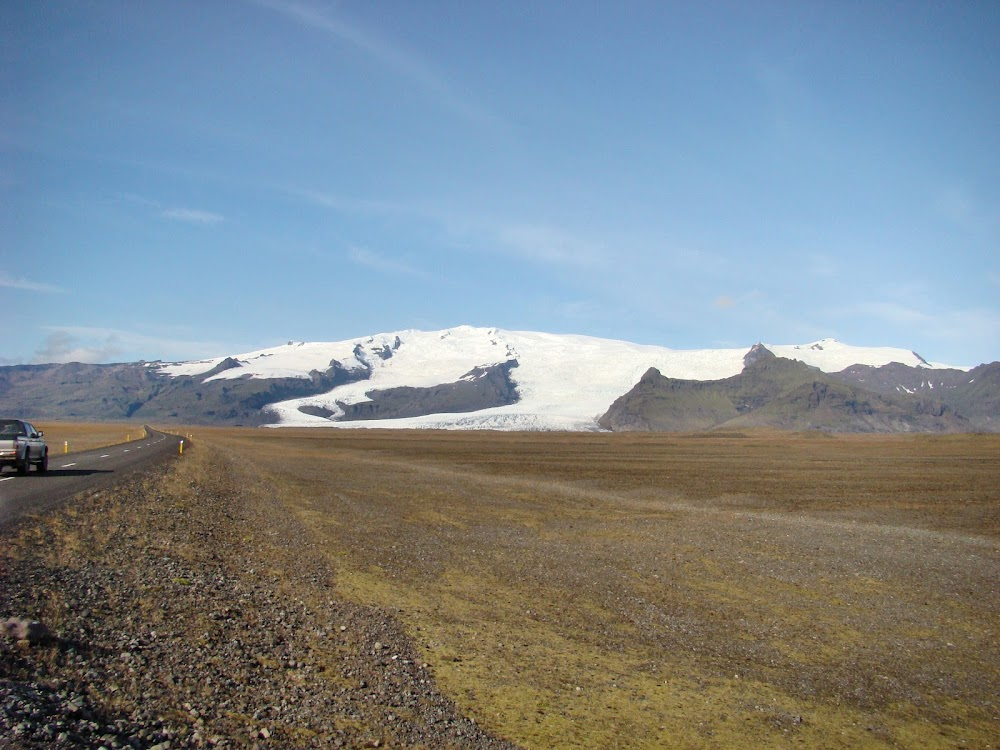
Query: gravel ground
571,590
181,612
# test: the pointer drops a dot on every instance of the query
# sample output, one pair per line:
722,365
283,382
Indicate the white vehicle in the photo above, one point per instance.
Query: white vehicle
21,445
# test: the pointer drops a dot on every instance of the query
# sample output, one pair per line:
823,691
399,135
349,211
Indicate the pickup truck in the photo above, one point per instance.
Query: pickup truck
21,445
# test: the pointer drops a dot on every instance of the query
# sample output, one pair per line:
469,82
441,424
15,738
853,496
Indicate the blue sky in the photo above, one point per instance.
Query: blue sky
188,179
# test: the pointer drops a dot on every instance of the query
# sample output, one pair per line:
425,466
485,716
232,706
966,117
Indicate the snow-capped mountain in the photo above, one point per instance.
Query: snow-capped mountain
485,378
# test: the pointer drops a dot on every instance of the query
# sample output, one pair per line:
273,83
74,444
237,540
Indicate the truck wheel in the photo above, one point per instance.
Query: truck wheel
25,466
44,465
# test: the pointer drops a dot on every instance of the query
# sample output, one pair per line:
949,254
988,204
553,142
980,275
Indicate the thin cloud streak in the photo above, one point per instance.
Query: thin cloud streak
192,216
549,245
25,285
537,243
364,257
173,213
384,53
963,209
358,206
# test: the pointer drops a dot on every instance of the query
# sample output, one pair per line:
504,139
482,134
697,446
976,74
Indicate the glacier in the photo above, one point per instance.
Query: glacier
565,381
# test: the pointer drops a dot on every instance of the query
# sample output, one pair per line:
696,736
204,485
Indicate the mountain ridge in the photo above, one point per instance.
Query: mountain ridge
457,378
777,393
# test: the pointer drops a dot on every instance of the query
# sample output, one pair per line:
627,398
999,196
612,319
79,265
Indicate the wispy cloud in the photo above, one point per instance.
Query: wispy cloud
100,345
550,245
9,282
538,243
781,94
173,213
353,205
962,208
192,216
364,257
62,346
388,54
821,266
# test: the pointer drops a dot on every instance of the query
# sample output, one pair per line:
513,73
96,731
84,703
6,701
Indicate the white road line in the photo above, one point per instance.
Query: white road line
6,479
125,451
106,455
66,466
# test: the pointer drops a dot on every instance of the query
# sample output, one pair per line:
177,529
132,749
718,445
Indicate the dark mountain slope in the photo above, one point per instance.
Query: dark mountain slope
773,392
138,391
974,394
482,388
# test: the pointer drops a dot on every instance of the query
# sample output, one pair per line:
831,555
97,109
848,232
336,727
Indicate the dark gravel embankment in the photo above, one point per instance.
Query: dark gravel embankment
187,609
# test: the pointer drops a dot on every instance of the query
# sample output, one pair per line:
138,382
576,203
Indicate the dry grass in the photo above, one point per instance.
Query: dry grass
673,591
83,436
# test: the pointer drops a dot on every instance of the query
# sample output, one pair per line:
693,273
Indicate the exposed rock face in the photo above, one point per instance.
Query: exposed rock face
227,364
317,411
757,353
774,392
480,388
387,351
974,394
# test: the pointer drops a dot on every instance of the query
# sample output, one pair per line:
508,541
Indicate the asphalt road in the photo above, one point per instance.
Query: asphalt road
72,473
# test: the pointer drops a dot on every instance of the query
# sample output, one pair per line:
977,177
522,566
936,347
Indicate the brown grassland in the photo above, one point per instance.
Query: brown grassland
82,436
686,591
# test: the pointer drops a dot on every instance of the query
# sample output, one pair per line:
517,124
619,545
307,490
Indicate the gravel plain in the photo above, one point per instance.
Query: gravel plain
178,612
685,591
311,589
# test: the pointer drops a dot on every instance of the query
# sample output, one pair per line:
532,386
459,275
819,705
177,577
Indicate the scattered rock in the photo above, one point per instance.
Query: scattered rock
230,660
32,631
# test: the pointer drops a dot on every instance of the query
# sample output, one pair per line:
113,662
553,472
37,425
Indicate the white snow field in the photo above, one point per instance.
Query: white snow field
565,382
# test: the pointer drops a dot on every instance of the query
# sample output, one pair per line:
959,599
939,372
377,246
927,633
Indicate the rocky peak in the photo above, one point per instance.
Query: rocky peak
757,353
